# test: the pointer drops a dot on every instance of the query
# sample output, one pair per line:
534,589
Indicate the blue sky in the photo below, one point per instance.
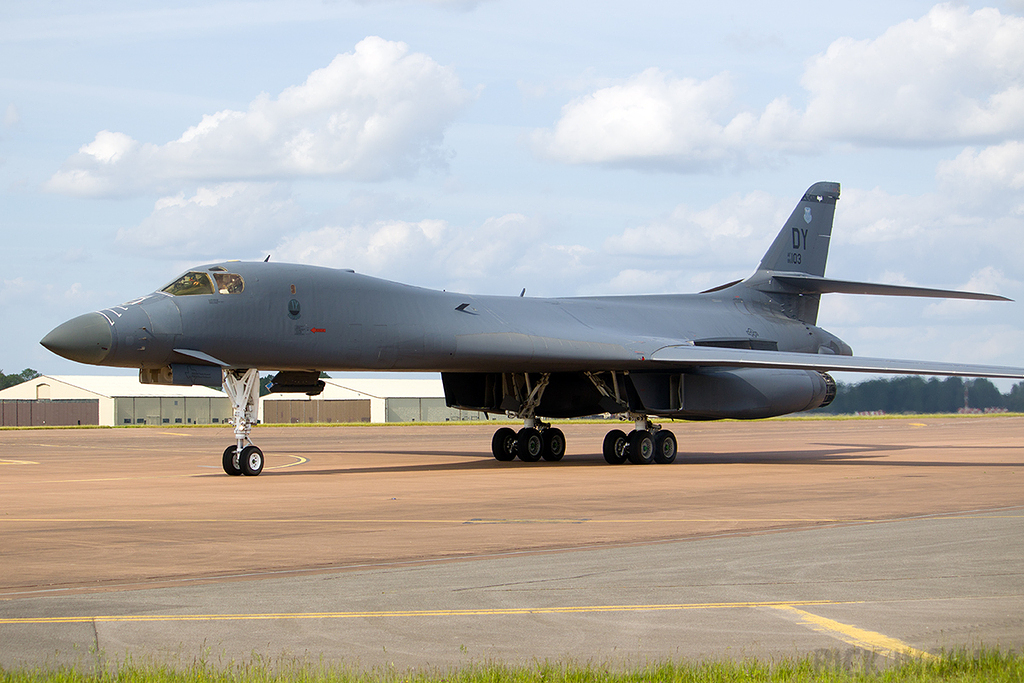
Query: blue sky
568,147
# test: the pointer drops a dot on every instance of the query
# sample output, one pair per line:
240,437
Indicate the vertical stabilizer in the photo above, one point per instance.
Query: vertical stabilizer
800,248
802,245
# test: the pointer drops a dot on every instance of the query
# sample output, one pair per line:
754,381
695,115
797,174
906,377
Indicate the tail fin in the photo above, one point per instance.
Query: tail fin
800,249
802,245
792,272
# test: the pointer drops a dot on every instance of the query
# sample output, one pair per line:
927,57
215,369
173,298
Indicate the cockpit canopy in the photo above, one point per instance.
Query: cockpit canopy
198,282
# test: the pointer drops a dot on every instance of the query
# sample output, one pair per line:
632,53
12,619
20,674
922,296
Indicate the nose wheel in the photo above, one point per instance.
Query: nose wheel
249,462
243,387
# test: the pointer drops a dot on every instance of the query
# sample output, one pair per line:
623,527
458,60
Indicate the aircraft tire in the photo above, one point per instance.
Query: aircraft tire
529,445
615,446
641,447
554,444
229,462
665,447
251,461
503,444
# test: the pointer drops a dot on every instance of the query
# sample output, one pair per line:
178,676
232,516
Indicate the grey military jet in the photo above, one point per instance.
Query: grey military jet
747,349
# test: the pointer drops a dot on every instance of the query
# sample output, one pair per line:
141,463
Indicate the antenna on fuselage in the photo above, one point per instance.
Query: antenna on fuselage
522,293
266,259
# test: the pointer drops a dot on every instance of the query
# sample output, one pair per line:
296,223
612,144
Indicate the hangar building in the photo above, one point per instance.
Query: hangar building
366,399
60,400
109,400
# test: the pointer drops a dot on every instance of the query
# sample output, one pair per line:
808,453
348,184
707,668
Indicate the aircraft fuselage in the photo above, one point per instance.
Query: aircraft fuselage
295,317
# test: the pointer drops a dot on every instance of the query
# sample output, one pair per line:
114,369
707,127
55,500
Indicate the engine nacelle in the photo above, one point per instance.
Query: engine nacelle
738,393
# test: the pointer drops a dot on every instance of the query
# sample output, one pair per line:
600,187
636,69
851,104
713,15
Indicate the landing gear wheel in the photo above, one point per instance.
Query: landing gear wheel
614,448
641,447
230,465
665,447
554,444
251,461
503,444
529,445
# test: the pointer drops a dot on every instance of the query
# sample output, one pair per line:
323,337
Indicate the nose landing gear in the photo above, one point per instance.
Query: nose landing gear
243,388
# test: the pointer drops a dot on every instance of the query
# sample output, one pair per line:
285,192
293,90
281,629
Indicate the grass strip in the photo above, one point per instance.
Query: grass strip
857,666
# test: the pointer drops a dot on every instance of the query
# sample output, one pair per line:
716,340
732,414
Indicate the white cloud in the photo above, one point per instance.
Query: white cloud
993,175
374,113
227,220
734,231
500,256
654,119
950,77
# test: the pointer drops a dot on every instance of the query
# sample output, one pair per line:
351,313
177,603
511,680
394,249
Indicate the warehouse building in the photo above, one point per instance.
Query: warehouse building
369,399
109,400
62,400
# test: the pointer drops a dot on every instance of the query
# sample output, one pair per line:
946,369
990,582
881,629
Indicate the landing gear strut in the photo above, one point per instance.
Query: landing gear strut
536,439
243,388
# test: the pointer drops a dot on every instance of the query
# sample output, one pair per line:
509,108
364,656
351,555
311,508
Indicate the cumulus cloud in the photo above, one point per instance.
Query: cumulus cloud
992,176
654,119
226,220
734,231
374,113
951,76
498,256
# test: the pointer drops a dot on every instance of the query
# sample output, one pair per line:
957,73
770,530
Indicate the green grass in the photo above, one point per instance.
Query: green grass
861,667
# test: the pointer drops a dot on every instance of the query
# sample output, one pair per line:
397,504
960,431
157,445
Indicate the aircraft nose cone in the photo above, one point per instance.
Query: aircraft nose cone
86,339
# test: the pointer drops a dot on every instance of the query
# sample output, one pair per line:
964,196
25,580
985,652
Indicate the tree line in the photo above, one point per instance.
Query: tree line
913,394
11,380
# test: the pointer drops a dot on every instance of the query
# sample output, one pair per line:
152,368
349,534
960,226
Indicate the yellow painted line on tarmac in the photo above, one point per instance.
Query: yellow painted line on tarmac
852,635
17,462
918,424
298,461
511,611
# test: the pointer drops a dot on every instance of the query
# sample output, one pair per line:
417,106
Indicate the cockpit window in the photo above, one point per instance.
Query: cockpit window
229,283
189,284
195,282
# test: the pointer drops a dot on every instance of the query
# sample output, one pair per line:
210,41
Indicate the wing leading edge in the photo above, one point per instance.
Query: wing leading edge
702,356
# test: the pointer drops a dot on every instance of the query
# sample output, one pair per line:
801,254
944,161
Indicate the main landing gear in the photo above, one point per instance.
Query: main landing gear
647,443
243,387
529,444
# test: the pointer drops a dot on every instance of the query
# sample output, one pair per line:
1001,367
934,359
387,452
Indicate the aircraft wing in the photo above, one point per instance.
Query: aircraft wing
711,356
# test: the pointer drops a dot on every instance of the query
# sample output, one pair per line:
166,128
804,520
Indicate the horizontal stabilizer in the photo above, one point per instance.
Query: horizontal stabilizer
704,356
822,285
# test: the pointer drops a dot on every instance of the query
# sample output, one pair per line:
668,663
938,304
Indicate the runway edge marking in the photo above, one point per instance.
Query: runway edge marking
852,635
577,609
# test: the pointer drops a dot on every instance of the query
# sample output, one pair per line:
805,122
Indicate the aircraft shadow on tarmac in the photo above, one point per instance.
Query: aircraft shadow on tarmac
827,454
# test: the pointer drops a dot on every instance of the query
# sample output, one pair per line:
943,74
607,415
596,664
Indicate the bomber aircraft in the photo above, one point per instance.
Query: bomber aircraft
746,349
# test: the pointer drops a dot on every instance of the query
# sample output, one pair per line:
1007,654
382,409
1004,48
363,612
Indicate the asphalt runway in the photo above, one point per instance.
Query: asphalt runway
412,547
